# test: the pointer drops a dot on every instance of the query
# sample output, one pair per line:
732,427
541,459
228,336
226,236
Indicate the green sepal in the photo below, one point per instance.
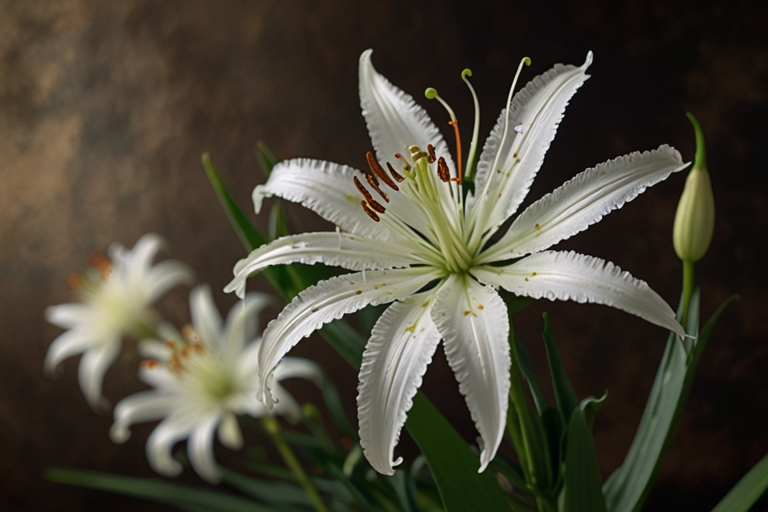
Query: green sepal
745,493
583,491
565,396
187,497
626,489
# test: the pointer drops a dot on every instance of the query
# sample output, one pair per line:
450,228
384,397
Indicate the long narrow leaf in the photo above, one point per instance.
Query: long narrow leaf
159,491
745,493
564,394
626,489
583,491
452,463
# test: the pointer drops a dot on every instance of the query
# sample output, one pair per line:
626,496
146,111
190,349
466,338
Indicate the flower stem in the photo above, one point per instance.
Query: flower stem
272,426
688,285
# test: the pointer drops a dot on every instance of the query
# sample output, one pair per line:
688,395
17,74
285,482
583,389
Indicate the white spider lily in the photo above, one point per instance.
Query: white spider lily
428,250
202,382
117,295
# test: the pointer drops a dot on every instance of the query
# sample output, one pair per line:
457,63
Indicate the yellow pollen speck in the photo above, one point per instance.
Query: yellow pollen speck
467,312
526,278
315,309
411,328
537,226
480,306
533,273
425,304
515,154
350,198
358,292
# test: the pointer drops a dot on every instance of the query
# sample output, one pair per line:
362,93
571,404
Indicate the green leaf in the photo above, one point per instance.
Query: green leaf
583,490
452,463
745,493
267,159
333,403
277,226
626,489
271,492
590,406
347,341
526,367
249,236
564,394
159,491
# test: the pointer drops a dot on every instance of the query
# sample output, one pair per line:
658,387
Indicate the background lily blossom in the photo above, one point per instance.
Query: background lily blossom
415,238
117,295
201,382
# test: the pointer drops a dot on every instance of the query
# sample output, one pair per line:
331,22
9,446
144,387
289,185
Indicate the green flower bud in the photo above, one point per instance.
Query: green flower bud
695,217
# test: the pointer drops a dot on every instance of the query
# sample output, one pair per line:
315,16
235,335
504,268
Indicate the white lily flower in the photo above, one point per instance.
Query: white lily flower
202,382
117,295
429,250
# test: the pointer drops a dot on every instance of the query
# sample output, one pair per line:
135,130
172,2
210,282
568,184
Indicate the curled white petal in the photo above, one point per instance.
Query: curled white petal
472,320
537,109
583,201
572,276
402,344
330,300
92,368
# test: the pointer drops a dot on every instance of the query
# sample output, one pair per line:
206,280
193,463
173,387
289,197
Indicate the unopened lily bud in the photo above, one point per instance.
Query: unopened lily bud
695,217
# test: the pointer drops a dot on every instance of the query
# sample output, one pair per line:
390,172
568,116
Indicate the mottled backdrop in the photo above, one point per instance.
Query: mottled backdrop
106,107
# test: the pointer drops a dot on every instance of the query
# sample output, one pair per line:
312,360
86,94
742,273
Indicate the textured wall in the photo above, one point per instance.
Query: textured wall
105,109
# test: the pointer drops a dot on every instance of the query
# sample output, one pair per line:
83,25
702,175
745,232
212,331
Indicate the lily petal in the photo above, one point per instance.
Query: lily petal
396,122
143,406
205,316
401,346
164,276
144,252
92,368
229,432
472,320
534,115
242,326
334,249
330,300
68,316
68,344
327,189
583,201
200,450
572,276
161,441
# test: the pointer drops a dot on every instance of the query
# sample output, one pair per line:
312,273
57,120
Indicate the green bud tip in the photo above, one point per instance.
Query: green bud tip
430,93
701,154
527,61
464,74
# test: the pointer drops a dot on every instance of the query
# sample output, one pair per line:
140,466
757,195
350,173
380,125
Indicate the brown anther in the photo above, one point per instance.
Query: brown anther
378,171
170,345
398,177
431,158
368,197
371,214
374,183
442,170
197,347
149,364
74,281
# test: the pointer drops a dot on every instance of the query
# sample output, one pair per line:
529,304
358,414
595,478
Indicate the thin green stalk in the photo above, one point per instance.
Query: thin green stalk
688,286
272,426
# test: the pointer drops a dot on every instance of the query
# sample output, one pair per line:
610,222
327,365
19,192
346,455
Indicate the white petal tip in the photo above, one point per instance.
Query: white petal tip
588,60
366,55
119,433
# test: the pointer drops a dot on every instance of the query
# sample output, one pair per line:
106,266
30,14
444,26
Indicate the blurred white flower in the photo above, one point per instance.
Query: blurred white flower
201,382
117,294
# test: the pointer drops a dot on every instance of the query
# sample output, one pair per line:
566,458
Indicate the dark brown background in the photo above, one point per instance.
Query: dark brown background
106,108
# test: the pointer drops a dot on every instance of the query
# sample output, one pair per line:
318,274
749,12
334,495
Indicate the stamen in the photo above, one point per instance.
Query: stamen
431,94
378,171
368,197
398,177
149,364
431,150
406,166
374,183
473,144
442,170
370,212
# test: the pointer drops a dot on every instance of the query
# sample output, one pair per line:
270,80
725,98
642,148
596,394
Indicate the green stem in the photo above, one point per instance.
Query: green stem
272,426
688,285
